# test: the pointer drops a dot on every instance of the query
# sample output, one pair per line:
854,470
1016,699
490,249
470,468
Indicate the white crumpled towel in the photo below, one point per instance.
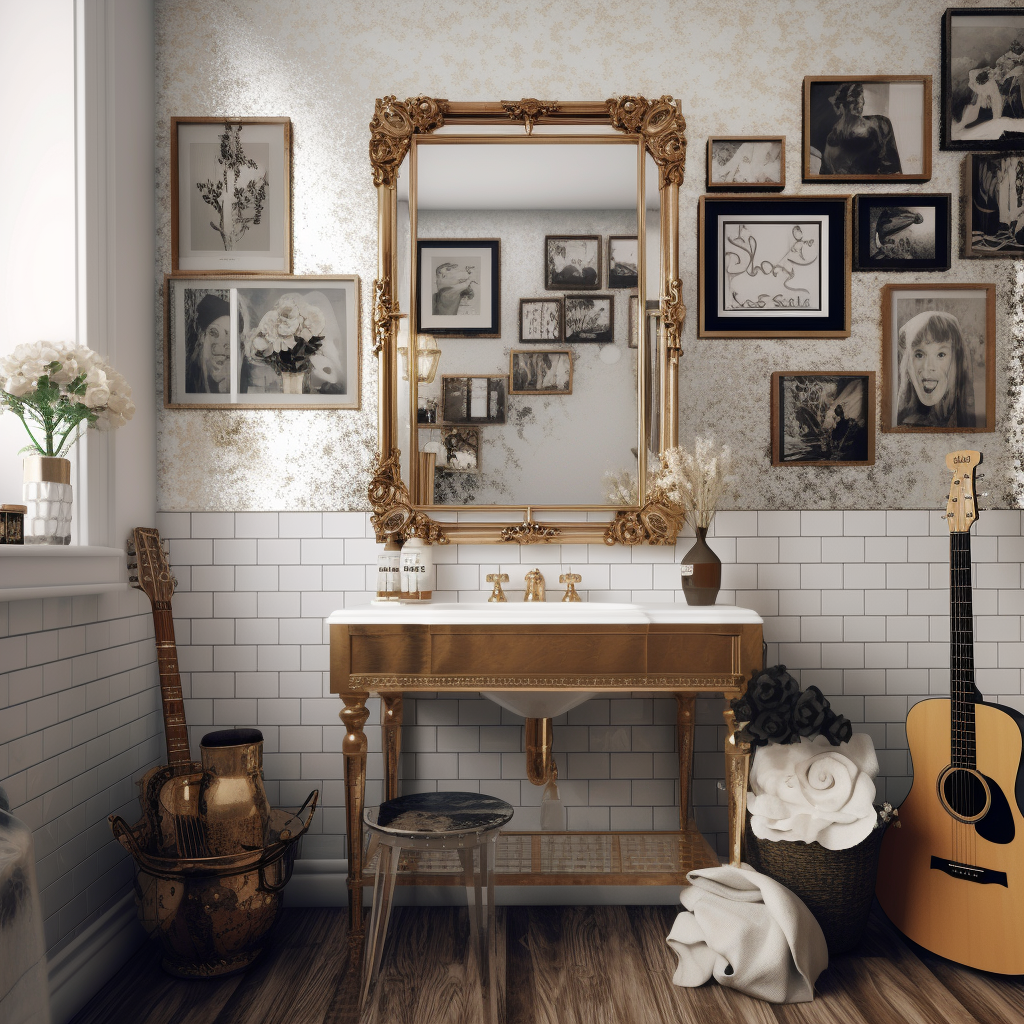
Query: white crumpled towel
812,791
749,932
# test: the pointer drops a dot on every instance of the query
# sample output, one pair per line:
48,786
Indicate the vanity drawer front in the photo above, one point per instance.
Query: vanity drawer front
694,653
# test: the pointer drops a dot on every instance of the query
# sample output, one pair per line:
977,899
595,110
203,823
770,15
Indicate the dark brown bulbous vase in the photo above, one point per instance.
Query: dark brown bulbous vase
701,571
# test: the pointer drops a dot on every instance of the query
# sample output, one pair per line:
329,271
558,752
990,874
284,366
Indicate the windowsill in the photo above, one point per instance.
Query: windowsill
43,570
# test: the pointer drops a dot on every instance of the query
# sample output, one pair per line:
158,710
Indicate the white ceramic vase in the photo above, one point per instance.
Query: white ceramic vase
292,382
46,492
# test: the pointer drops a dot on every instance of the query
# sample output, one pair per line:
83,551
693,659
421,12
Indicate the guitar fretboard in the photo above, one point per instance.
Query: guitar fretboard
178,754
961,652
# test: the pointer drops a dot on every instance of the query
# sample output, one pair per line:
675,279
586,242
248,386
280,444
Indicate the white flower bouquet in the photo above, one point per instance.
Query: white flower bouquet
695,480
288,335
53,389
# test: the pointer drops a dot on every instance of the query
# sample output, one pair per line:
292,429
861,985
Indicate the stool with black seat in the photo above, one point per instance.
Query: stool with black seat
467,822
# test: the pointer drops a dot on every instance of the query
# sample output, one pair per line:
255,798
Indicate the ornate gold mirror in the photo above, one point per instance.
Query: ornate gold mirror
526,318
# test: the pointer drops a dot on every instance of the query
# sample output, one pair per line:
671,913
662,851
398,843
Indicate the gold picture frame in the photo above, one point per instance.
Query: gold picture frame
742,163
536,367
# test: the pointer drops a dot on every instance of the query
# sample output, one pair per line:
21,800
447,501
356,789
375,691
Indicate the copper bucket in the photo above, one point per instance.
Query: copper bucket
233,804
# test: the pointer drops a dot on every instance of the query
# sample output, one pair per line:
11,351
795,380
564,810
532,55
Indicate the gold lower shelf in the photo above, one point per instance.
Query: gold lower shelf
569,858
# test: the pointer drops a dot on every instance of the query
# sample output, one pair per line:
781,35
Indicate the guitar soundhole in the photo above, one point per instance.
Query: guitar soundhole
965,794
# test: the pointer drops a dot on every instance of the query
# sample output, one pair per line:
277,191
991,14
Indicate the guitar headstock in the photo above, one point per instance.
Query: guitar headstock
961,508
152,574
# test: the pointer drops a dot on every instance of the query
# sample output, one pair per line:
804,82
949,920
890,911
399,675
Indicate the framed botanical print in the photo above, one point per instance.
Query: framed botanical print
747,163
459,287
572,262
982,87
473,399
867,128
540,320
938,358
902,231
261,342
623,261
460,450
993,190
823,418
540,372
774,267
589,319
231,195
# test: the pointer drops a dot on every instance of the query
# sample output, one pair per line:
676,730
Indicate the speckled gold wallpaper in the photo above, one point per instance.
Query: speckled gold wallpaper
737,69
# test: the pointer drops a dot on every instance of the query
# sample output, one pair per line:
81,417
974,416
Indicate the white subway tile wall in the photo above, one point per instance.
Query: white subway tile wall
79,722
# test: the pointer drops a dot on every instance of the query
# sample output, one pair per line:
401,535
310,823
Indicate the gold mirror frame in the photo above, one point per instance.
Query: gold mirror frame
661,128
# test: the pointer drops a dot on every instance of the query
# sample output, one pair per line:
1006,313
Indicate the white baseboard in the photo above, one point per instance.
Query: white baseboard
92,958
322,883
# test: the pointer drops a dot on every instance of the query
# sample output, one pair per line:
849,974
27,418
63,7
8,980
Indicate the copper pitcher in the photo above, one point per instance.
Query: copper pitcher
233,804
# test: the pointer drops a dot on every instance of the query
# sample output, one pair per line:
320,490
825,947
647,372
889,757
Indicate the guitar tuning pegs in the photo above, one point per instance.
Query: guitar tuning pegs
165,546
133,579
133,565
174,583
130,547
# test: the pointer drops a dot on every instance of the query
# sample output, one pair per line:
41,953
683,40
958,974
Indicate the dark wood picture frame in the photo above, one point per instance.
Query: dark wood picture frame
734,185
497,384
966,95
554,300
892,377
622,281
896,227
241,261
586,338
769,320
552,284
830,431
556,392
819,112
983,206
489,318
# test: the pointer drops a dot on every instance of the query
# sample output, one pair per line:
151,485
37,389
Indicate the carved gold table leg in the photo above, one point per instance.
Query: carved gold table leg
737,770
685,712
353,749
391,730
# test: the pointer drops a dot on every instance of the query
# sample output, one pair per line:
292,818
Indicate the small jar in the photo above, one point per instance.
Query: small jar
389,585
12,524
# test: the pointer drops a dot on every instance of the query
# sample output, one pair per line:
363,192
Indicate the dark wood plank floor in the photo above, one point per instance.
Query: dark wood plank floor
557,965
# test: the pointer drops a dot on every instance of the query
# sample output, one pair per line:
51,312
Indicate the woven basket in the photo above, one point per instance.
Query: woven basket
837,886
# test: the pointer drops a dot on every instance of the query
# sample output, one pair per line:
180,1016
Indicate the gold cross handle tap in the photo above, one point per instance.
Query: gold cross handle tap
497,578
571,579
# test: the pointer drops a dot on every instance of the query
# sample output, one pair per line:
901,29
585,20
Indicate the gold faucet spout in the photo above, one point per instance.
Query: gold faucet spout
534,586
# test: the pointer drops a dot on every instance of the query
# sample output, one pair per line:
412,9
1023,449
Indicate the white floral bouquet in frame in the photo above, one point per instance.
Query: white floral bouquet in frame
53,389
695,480
288,335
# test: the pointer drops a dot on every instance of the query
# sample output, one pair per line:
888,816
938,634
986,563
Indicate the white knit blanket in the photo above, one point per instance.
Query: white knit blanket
750,933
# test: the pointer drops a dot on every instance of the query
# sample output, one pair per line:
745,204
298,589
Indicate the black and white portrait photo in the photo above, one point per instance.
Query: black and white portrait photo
540,372
460,450
994,212
983,79
572,262
231,189
477,399
938,354
458,286
540,319
589,318
746,162
900,231
870,128
622,261
823,419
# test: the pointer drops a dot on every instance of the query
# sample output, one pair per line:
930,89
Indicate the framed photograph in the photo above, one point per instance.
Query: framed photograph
541,320
774,267
993,207
540,372
572,262
746,162
473,399
623,261
231,195
634,316
460,450
902,231
261,342
868,128
823,418
589,318
982,87
938,358
459,287
426,410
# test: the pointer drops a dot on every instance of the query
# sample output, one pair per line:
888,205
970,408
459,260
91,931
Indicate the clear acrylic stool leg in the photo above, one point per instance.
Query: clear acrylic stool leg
383,894
478,867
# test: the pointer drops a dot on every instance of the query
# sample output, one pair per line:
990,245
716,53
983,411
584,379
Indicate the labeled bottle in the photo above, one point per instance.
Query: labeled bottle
389,584
417,575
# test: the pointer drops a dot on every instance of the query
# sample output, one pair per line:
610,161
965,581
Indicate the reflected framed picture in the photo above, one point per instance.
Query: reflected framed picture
993,208
867,128
938,358
589,319
902,231
460,450
231,195
473,399
746,162
622,261
261,342
540,320
823,418
774,267
572,262
540,372
458,290
982,86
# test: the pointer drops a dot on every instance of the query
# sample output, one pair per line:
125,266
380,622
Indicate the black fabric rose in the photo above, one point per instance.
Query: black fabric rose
774,726
773,688
836,728
744,708
809,712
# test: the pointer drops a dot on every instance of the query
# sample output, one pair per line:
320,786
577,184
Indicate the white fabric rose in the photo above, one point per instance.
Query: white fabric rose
19,386
812,791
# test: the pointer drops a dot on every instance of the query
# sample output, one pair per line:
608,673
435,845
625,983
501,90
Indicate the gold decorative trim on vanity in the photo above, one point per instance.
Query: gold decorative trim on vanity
406,683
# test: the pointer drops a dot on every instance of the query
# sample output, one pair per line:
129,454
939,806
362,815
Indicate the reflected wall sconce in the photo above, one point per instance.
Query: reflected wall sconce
428,355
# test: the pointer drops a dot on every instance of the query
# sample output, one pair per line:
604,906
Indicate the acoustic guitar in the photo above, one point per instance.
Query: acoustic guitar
169,794
952,877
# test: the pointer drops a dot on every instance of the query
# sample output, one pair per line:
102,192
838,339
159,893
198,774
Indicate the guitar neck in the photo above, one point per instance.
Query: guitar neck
961,652
175,731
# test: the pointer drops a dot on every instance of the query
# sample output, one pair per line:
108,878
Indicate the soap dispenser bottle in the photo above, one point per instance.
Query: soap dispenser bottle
389,587
417,575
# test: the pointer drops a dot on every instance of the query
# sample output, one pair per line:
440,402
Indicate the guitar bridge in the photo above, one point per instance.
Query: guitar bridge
970,872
